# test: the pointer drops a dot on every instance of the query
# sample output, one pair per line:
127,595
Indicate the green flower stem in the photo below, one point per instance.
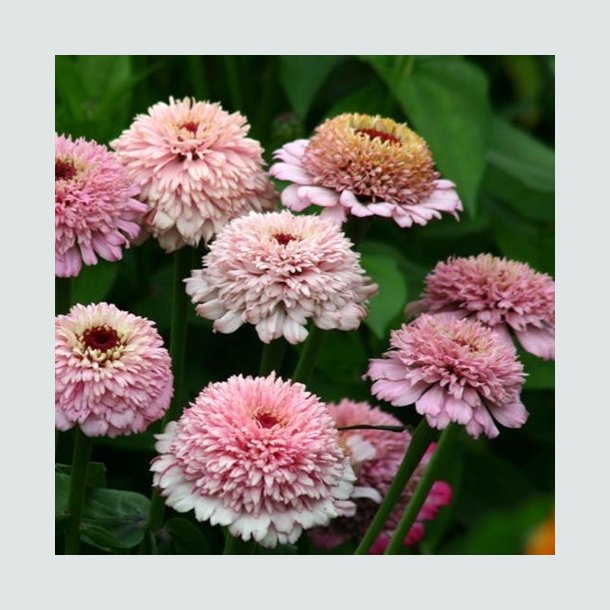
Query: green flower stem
177,344
421,492
62,295
76,497
308,355
420,441
272,356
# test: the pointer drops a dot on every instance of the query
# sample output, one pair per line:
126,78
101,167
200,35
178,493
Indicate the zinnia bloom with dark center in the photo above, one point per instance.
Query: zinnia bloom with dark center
96,214
365,166
508,296
196,167
259,455
112,374
276,271
375,456
452,370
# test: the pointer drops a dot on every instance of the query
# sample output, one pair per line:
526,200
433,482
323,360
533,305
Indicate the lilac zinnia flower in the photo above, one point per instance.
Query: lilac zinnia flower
453,370
96,214
196,167
503,294
360,165
112,373
275,271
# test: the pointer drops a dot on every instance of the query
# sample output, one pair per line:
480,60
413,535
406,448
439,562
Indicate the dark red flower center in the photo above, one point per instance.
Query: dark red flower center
266,420
101,337
64,169
382,135
283,238
190,126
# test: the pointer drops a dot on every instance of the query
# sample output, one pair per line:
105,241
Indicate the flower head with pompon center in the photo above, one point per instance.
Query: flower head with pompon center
112,374
376,456
196,167
453,370
275,271
503,294
362,165
96,214
259,455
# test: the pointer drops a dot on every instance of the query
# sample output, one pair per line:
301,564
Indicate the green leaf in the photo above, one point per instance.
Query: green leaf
392,296
370,99
96,473
342,357
303,75
114,519
446,99
182,537
540,373
62,489
94,283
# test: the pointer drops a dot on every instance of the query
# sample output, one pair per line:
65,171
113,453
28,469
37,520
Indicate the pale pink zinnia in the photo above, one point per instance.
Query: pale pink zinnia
362,165
275,271
259,455
375,456
95,210
196,167
503,294
454,371
112,374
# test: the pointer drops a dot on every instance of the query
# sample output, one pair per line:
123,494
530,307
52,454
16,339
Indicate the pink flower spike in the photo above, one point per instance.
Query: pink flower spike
276,271
258,455
506,295
112,374
197,170
96,214
362,165
453,370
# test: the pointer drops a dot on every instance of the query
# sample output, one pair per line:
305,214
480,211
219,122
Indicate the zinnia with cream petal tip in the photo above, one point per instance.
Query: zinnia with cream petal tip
277,270
376,456
259,455
96,213
196,167
506,295
362,165
112,373
452,371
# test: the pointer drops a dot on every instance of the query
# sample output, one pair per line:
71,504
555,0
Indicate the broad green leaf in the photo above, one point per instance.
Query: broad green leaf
343,357
62,489
447,101
96,473
93,284
303,75
114,519
540,373
392,296
182,537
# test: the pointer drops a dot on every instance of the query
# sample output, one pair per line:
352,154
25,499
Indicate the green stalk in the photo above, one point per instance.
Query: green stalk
272,356
232,74
177,344
308,355
62,295
421,492
76,497
420,441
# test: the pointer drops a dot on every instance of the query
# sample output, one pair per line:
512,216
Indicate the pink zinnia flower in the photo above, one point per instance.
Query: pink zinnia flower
259,455
112,373
275,271
95,210
365,166
375,456
503,294
453,370
196,167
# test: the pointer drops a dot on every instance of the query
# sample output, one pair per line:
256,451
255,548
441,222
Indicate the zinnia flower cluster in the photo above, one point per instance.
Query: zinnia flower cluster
453,370
112,374
375,456
95,211
503,294
196,167
275,271
259,455
361,165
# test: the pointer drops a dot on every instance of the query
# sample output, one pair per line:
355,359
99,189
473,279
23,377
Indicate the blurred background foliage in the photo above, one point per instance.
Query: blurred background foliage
490,124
